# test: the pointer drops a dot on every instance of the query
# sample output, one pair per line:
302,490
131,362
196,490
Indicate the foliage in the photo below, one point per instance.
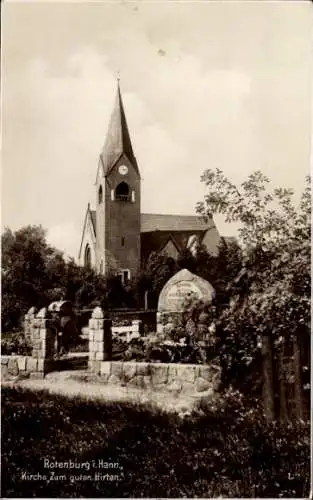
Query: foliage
271,292
15,343
215,452
27,274
217,269
153,349
36,274
157,271
267,218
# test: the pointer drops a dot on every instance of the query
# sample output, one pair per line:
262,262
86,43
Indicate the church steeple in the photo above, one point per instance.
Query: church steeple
117,140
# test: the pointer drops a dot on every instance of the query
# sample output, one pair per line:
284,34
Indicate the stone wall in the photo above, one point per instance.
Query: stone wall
40,331
168,377
24,366
173,378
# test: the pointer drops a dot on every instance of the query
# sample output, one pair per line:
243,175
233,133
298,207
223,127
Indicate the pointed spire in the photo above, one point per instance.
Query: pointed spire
117,140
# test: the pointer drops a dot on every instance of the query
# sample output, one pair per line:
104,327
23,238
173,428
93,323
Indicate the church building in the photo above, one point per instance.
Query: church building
117,238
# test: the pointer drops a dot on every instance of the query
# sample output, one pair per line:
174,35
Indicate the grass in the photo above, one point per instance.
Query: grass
215,453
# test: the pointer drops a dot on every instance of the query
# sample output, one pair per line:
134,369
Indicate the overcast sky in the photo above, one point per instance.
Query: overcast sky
205,84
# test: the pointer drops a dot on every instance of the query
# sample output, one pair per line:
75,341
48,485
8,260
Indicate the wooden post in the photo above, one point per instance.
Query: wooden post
297,379
268,388
283,412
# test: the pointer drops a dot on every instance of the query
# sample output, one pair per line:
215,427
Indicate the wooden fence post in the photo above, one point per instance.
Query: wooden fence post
268,386
297,379
283,412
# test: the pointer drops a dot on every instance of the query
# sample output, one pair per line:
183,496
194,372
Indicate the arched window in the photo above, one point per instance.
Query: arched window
122,192
100,195
87,258
101,267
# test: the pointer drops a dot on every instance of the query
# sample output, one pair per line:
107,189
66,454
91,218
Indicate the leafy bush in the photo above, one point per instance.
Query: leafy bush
270,294
15,343
153,349
220,452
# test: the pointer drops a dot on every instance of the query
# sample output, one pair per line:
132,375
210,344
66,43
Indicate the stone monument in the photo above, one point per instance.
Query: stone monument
182,286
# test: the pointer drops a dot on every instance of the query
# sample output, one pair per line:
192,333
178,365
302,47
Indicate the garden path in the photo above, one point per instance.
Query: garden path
76,384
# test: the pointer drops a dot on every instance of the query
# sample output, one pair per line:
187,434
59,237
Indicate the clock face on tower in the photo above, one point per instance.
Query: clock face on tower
123,169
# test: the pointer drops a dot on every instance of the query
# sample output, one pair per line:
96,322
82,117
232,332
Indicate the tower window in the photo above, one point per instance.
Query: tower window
100,195
122,192
122,241
133,196
87,257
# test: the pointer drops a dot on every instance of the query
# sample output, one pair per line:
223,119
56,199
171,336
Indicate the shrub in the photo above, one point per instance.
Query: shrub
154,349
15,343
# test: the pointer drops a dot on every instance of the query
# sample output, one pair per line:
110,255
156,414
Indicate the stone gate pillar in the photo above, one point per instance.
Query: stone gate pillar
28,323
43,337
100,339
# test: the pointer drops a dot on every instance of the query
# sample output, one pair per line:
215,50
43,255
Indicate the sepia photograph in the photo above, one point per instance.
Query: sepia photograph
156,249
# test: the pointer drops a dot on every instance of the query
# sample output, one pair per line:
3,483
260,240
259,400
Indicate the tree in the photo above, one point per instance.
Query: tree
218,269
268,219
35,274
28,277
157,271
270,295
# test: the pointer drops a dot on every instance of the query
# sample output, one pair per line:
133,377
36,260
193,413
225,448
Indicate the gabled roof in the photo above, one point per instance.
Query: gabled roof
158,222
117,140
157,229
93,219
154,241
92,215
167,242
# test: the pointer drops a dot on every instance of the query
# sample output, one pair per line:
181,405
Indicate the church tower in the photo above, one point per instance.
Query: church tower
118,187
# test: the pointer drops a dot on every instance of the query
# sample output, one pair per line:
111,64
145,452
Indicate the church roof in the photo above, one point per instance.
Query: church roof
90,215
158,222
157,229
93,219
117,140
168,223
